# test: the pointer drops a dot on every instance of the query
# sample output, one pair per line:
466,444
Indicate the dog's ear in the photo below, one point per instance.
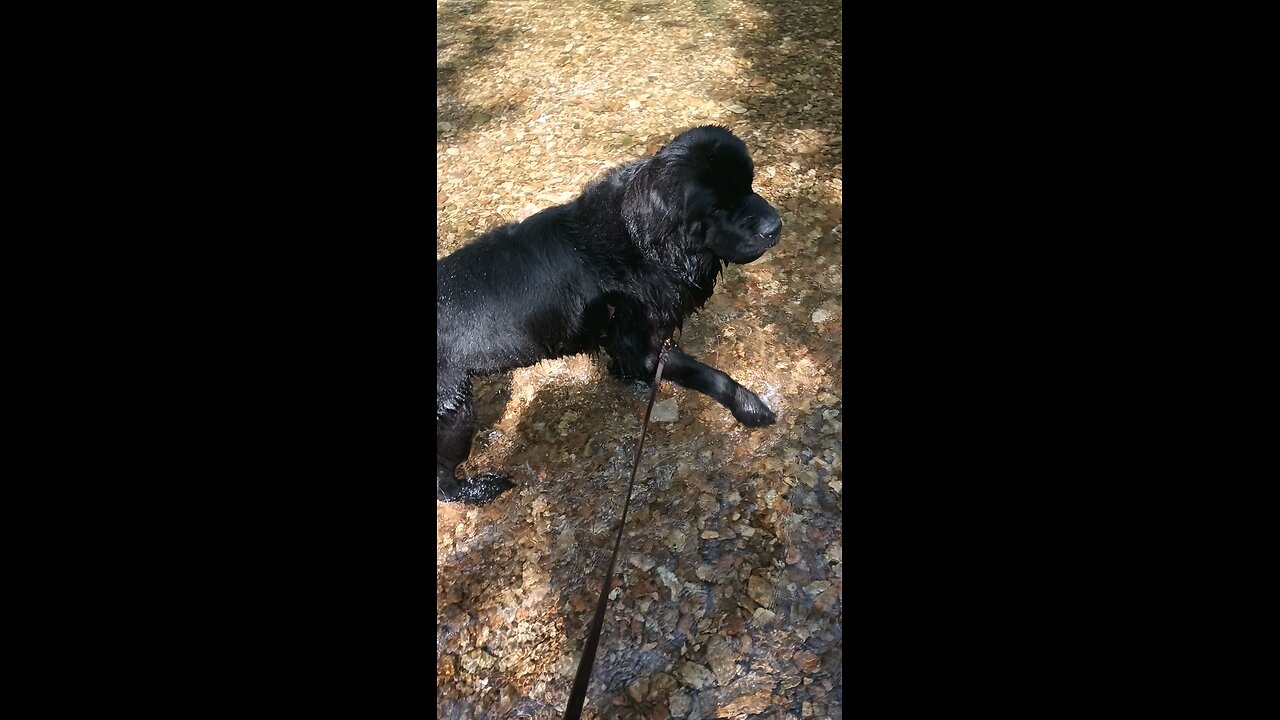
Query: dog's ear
659,205
670,194
699,201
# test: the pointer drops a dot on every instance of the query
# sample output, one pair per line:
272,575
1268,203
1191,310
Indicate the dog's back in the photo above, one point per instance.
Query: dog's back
516,295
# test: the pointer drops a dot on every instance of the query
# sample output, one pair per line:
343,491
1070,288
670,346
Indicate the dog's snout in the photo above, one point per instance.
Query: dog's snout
770,228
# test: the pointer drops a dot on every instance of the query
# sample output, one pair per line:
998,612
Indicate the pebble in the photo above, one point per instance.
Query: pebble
722,657
679,703
760,590
746,704
666,411
827,599
694,675
477,660
643,562
806,661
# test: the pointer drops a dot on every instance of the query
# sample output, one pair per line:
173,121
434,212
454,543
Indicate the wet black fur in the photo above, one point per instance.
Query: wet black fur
616,269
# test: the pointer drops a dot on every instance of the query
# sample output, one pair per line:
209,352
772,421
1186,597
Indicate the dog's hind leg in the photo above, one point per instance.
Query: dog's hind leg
453,444
455,428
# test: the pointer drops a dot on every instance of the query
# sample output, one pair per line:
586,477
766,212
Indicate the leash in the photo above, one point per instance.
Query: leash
578,694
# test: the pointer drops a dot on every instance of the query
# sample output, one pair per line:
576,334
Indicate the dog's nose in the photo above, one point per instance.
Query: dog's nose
771,228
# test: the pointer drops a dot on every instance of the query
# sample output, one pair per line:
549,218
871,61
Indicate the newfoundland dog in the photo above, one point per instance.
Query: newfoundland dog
617,269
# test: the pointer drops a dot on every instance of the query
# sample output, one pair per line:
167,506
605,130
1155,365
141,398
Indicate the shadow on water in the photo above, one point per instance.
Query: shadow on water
715,565
685,568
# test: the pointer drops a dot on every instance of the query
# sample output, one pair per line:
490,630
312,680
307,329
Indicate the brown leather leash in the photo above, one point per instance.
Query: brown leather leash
578,694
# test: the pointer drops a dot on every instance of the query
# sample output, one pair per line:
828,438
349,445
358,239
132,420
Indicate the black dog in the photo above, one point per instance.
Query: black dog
618,268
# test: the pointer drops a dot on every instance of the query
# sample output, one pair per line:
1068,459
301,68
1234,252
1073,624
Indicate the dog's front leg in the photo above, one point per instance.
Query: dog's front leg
745,405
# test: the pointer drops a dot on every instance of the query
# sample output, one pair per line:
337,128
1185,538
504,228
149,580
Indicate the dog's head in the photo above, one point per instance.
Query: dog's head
700,184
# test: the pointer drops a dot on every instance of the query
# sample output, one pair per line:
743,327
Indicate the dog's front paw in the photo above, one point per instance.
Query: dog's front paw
751,411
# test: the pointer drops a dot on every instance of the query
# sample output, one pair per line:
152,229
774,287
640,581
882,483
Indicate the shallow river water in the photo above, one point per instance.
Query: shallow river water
729,585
